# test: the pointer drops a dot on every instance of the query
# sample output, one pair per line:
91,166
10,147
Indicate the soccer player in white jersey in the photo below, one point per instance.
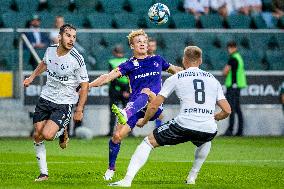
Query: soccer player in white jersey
198,92
66,70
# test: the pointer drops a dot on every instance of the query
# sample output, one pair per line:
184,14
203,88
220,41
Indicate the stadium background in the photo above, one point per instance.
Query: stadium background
102,24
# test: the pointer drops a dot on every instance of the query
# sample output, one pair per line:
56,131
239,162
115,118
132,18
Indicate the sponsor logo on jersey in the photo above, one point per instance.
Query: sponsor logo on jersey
54,74
146,74
198,110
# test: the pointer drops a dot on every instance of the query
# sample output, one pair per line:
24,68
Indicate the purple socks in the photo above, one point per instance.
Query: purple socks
113,151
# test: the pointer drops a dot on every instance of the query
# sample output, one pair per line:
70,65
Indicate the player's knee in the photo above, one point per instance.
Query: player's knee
116,138
150,141
48,136
146,91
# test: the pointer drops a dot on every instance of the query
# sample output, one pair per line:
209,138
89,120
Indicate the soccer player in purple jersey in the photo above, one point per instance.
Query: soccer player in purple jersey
145,79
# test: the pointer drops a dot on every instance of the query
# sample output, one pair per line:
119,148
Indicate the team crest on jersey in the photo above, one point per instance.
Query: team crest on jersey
63,67
156,64
135,63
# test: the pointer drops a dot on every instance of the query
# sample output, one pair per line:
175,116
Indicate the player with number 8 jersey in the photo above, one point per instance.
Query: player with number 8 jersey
199,92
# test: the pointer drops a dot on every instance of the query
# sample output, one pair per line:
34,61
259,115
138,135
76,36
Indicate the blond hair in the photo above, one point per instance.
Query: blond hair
193,53
135,33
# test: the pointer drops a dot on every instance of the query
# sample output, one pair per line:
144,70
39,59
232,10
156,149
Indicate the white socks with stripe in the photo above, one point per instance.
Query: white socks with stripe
138,159
200,156
41,157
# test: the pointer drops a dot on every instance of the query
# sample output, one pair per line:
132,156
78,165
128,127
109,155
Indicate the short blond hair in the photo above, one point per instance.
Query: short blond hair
192,53
135,33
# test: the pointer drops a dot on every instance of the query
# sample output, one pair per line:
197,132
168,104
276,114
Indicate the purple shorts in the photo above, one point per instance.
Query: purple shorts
133,119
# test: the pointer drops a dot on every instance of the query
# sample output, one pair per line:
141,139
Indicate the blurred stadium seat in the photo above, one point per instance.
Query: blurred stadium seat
211,21
100,20
239,21
184,20
15,20
275,59
25,6
218,58
136,6
259,22
108,6
123,20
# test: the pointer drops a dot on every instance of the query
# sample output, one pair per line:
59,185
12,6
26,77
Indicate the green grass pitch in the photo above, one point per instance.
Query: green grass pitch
249,162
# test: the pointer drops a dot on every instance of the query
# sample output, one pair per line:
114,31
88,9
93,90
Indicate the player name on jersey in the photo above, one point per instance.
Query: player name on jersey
194,73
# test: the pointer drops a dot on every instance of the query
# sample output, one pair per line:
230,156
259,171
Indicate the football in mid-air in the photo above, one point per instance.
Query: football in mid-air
159,14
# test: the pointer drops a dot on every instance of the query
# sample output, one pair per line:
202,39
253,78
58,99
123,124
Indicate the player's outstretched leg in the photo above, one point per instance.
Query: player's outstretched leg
40,151
132,108
113,152
114,146
137,161
200,156
41,159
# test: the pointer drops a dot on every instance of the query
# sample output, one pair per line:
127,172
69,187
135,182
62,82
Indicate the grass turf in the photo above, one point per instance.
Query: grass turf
253,162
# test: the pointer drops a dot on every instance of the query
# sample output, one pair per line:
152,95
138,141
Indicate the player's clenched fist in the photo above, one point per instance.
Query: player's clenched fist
27,82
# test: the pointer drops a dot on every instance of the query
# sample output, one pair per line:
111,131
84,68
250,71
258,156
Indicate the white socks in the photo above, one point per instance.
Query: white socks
201,154
138,159
41,157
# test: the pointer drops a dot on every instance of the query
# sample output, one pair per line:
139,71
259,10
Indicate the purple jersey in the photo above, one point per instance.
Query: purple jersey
144,73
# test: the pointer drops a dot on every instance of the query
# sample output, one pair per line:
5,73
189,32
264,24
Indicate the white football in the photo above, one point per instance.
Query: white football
159,14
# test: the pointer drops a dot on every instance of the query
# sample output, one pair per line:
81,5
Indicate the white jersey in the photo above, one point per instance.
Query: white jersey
64,75
198,92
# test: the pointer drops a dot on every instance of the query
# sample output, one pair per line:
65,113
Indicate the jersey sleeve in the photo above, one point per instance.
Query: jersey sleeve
81,71
168,87
125,67
165,64
220,93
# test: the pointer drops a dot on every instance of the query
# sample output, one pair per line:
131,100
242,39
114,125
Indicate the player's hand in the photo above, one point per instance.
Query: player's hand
27,82
78,116
140,123
217,117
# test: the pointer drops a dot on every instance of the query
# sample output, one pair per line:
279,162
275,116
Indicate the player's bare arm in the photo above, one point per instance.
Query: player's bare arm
78,115
225,110
151,110
39,70
174,69
105,78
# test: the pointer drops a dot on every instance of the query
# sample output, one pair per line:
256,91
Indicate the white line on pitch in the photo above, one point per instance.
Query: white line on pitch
181,161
